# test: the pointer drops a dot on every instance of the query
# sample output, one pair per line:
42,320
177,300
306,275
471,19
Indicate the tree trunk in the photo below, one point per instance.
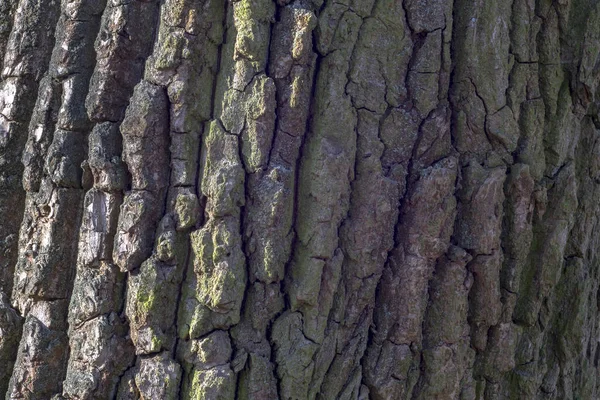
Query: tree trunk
300,199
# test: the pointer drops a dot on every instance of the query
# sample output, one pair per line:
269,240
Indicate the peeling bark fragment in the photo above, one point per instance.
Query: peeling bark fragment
210,351
79,22
269,224
246,84
251,21
72,114
291,42
524,86
185,59
187,209
448,300
374,82
434,142
399,132
253,350
267,302
500,352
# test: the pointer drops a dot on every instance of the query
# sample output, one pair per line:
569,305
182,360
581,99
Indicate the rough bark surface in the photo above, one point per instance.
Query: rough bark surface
300,199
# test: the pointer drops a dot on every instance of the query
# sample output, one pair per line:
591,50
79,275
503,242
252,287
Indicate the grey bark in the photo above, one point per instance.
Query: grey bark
299,199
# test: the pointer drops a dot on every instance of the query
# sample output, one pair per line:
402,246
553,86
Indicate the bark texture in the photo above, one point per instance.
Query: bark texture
300,199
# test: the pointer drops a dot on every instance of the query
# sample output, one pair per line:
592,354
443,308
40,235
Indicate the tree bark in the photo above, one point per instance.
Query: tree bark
299,199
